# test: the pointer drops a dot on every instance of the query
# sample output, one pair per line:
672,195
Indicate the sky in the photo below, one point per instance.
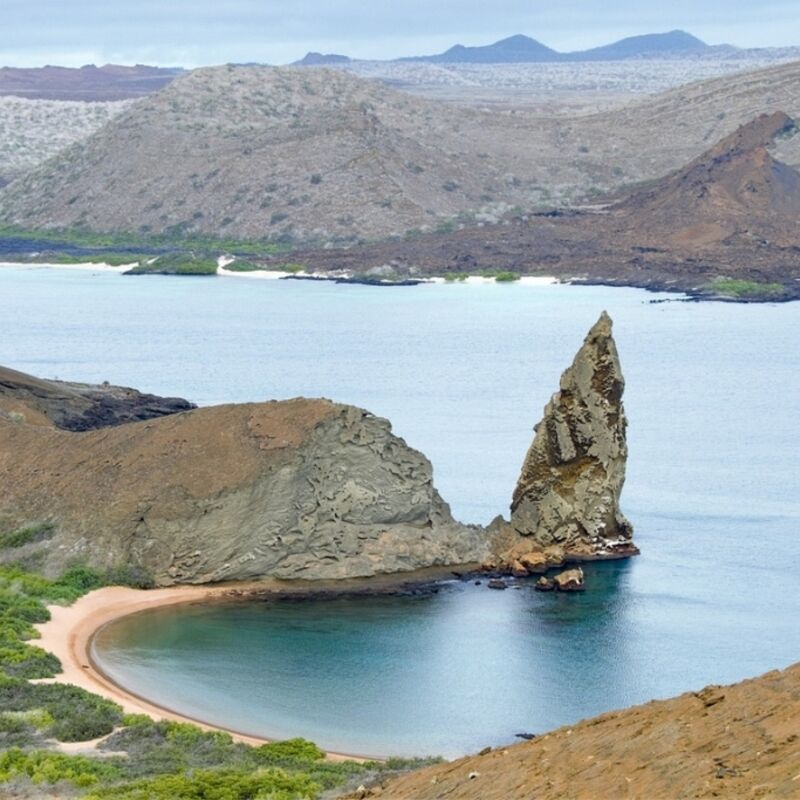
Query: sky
201,32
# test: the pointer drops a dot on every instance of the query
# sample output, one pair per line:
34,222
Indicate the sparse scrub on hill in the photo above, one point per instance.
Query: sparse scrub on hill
31,131
27,535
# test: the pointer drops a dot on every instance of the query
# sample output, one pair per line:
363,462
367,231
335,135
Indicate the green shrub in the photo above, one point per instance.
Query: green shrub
43,766
506,277
129,575
451,277
747,290
78,715
290,751
223,784
23,536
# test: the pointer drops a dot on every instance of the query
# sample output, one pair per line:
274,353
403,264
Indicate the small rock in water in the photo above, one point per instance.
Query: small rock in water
496,583
571,580
544,584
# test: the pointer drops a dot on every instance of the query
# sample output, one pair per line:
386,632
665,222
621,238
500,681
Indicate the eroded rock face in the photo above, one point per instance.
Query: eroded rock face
568,491
294,489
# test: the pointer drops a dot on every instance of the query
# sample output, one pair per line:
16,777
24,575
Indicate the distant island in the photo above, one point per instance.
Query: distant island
521,49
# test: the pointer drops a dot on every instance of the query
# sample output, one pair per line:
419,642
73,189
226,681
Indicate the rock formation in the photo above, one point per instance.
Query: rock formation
294,489
566,503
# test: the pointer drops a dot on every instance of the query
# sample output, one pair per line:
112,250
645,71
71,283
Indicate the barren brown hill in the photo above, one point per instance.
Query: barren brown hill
735,188
731,213
738,742
109,82
316,154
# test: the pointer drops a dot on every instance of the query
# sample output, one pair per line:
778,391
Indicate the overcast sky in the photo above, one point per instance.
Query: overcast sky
198,32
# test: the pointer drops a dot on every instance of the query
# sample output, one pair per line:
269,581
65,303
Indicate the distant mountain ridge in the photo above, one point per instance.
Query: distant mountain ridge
521,49
109,82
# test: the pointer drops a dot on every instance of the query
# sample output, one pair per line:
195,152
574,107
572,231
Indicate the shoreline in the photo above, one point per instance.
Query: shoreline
271,275
70,632
92,266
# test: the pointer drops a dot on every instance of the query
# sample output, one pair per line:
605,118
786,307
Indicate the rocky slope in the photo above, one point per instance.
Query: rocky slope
78,406
738,741
317,154
301,488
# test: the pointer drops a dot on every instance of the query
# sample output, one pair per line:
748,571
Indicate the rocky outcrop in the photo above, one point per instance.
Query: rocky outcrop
294,489
570,580
568,491
79,406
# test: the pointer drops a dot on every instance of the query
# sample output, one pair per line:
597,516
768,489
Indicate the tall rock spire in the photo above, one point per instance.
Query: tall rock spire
568,491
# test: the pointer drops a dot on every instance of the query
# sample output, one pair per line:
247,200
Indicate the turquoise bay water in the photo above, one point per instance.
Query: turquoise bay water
463,372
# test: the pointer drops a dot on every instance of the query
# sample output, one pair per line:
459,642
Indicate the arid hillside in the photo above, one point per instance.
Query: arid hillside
31,131
738,742
320,155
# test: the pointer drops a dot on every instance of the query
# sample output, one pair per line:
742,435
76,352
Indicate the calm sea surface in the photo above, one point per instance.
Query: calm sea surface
463,372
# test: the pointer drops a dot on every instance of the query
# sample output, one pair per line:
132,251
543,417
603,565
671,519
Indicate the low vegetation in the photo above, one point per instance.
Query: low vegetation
26,535
139,759
126,242
747,290
175,264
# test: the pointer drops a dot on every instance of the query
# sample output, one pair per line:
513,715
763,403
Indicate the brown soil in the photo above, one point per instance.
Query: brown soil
739,742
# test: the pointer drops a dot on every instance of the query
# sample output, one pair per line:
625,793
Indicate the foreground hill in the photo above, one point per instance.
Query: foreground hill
294,154
738,741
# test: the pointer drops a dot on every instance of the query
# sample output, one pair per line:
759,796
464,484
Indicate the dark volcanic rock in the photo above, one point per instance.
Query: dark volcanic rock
80,406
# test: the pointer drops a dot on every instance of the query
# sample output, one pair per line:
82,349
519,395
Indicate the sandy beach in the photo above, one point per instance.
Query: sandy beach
69,634
89,265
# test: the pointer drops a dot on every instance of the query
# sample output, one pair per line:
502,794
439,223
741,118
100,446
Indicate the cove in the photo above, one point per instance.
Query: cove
463,372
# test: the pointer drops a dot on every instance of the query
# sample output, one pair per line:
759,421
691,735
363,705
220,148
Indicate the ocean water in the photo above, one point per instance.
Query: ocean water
463,372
